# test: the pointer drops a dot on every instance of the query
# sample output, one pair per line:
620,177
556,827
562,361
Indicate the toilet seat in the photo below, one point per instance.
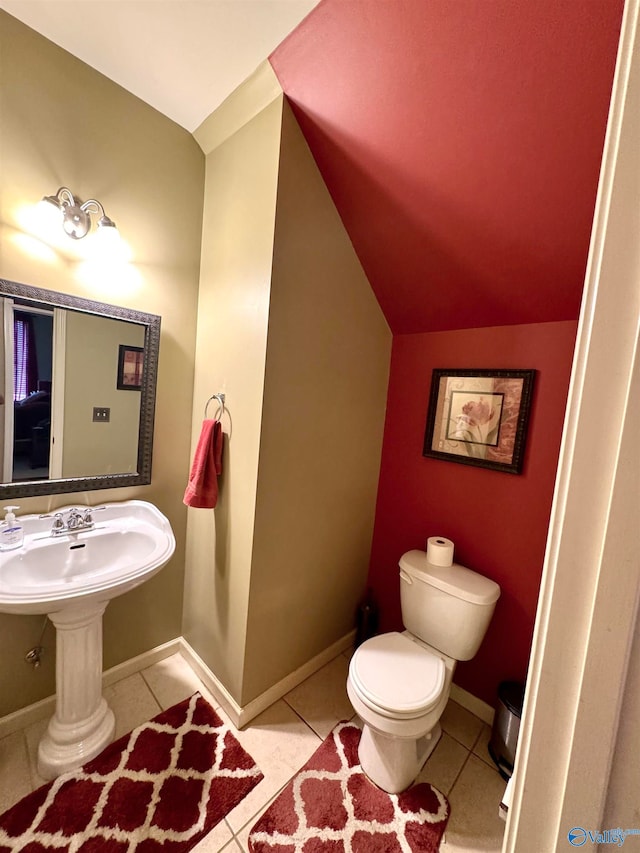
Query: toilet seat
396,677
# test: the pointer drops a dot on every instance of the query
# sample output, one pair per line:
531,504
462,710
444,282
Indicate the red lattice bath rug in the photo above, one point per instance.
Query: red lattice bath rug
331,807
160,788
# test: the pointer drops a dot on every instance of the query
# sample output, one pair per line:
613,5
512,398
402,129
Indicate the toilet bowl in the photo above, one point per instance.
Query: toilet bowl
399,683
399,688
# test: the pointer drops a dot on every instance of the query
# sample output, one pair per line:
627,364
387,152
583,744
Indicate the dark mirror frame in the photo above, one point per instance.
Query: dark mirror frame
151,323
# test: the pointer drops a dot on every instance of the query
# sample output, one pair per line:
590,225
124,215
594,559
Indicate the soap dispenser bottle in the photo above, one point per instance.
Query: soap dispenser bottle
11,531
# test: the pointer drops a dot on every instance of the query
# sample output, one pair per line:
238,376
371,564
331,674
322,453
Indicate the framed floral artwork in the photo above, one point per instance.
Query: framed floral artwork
479,417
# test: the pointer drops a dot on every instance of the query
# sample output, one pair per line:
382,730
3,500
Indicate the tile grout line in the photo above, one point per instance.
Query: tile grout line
488,760
300,717
261,810
25,745
282,787
458,774
477,739
151,690
277,793
469,751
36,781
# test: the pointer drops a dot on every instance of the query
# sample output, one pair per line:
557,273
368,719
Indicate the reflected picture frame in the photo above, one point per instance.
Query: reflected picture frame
130,368
479,417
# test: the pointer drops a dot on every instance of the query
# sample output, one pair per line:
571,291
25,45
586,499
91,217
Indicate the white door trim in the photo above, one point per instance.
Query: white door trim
58,392
588,600
7,457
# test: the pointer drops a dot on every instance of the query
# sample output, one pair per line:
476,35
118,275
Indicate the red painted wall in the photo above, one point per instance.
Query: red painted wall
461,142
497,521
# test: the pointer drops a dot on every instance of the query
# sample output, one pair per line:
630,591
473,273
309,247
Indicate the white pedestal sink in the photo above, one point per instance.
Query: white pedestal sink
72,577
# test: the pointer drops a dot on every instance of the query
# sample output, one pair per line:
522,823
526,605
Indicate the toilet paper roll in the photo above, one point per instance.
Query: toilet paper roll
439,551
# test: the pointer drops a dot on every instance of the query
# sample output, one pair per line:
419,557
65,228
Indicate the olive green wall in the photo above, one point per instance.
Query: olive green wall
289,329
62,123
233,311
327,370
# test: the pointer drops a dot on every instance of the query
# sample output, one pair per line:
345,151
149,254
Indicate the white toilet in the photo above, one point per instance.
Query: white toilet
399,684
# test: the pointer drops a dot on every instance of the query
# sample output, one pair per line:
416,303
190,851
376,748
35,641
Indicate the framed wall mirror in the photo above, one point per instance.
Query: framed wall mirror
74,416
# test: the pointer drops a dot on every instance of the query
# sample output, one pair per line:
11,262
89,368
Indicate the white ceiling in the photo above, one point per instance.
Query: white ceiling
184,57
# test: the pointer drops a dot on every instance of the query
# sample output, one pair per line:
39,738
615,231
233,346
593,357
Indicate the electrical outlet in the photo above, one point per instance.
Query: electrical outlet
101,415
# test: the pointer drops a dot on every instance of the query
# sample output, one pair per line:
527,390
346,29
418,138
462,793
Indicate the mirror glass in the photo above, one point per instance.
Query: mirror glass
78,393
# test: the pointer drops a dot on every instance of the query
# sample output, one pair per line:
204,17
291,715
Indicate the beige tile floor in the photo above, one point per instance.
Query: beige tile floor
281,740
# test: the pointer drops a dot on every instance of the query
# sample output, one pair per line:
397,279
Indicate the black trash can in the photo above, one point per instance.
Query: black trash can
366,620
506,725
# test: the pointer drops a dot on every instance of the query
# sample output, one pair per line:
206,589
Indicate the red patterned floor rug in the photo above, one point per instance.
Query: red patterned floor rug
331,807
160,788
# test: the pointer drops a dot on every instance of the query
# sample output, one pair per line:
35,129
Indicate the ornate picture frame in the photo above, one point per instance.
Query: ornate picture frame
479,417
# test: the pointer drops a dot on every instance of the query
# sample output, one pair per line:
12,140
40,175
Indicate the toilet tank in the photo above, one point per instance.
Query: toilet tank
449,607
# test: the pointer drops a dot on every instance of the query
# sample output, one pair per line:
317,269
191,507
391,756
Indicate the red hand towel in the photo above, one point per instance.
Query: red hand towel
202,489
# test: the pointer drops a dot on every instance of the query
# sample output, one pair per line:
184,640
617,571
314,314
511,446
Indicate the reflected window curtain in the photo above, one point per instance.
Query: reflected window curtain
25,361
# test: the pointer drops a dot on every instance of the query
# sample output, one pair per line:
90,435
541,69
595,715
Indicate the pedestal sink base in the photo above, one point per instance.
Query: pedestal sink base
68,746
83,723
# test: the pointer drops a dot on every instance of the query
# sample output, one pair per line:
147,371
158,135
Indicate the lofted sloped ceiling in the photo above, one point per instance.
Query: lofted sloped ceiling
184,57
461,141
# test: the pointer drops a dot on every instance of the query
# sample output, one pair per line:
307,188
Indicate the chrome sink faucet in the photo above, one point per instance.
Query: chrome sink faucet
73,521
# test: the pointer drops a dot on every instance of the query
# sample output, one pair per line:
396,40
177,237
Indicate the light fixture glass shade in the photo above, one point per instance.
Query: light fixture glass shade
50,201
106,223
48,216
107,238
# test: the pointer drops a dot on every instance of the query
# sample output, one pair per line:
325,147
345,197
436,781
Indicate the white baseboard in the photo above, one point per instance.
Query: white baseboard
210,681
24,717
241,715
140,662
473,704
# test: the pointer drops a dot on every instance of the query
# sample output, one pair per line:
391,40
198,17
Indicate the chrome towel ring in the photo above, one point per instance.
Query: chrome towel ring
220,410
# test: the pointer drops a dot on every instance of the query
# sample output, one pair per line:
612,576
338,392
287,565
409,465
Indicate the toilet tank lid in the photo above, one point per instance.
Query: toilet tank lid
455,580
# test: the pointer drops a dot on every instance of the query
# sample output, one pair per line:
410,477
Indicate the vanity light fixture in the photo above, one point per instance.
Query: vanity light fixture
76,215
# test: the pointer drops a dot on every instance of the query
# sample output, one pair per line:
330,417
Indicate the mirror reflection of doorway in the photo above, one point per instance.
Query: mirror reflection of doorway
29,368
